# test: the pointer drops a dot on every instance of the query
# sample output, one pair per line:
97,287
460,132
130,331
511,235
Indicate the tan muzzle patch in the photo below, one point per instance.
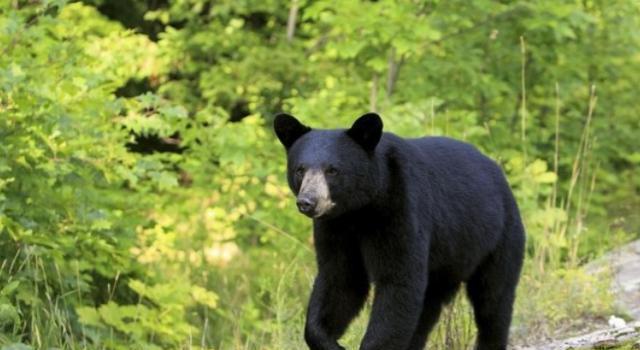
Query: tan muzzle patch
314,185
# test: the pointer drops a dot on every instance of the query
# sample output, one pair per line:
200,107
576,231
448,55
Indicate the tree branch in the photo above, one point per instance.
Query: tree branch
393,71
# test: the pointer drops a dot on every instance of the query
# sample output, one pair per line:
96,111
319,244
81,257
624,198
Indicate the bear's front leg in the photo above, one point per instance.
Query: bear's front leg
394,317
399,268
339,290
333,304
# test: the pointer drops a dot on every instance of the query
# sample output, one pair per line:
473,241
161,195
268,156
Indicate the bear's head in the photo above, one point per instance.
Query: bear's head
331,172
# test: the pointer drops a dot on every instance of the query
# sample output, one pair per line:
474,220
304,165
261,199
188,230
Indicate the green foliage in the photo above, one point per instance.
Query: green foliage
195,242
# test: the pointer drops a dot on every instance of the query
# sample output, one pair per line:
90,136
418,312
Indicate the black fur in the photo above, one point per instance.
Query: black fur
288,129
414,217
367,131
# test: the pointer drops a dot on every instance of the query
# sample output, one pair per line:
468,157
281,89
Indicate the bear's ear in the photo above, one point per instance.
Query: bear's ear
288,129
366,131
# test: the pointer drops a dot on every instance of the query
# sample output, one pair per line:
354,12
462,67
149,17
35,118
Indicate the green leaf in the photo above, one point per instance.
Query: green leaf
9,288
546,177
204,297
89,316
9,316
17,346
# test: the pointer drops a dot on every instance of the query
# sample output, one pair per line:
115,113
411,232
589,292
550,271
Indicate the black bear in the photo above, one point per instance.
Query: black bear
414,217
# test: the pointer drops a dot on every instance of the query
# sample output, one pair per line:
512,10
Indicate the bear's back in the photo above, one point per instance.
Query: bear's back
454,164
445,149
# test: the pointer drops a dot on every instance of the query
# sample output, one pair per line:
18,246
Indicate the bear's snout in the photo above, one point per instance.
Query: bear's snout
306,205
314,199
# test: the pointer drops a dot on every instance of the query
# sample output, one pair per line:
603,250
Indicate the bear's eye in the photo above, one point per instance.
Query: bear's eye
300,171
331,171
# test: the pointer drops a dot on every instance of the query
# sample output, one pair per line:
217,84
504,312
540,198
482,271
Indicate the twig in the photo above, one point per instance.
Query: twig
373,97
293,18
281,231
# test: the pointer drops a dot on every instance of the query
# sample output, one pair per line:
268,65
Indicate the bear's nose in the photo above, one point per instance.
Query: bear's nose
306,205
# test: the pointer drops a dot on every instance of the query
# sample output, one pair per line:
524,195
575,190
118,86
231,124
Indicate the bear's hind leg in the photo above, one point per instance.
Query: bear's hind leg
491,291
436,297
